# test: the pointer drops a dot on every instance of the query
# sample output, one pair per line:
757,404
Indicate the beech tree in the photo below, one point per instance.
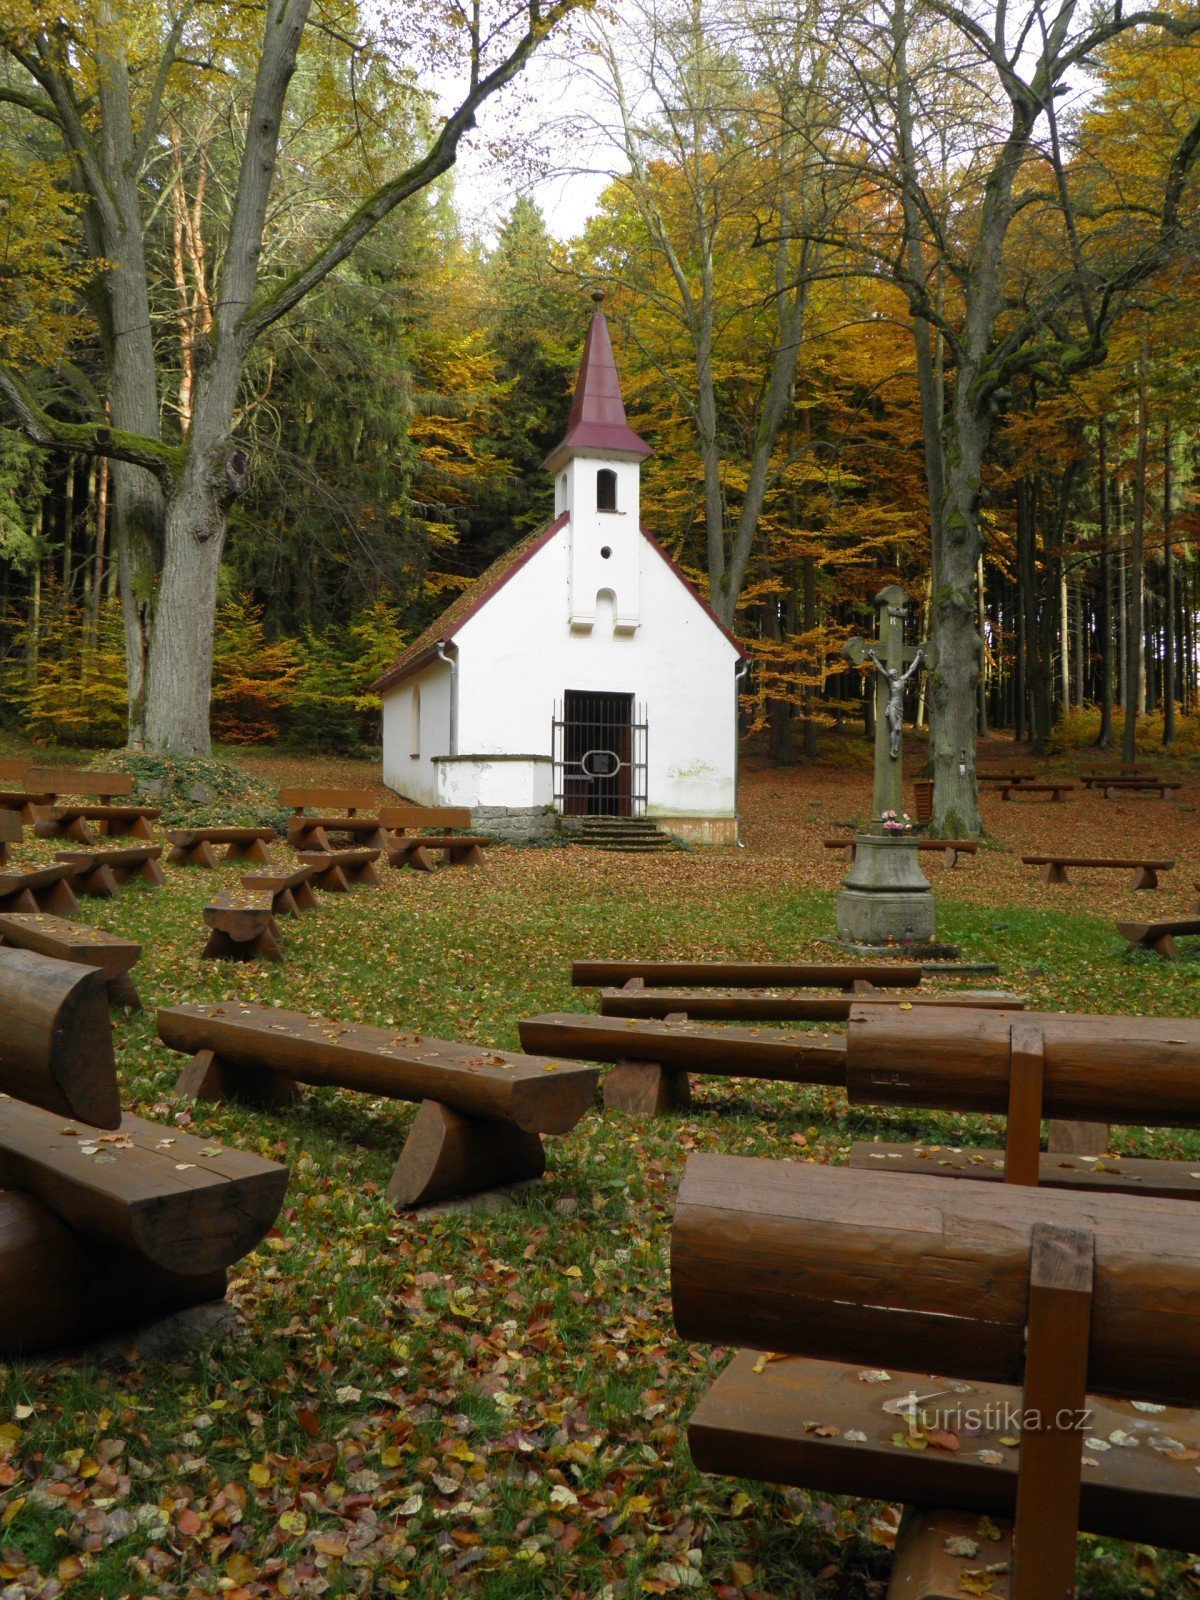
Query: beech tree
103,79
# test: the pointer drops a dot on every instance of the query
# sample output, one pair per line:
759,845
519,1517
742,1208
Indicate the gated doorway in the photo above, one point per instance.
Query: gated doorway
599,751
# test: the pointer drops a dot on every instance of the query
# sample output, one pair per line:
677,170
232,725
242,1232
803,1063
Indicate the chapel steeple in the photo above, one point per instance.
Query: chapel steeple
597,485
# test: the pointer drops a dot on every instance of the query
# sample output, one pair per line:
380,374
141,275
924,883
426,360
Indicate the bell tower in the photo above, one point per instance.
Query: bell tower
597,481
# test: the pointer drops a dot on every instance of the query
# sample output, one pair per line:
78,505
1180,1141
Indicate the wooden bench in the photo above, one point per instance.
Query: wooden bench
42,888
105,1220
290,889
1145,869
1161,787
74,941
11,830
23,803
434,830
193,847
481,1113
1082,1071
1160,936
1006,775
1054,790
848,976
57,820
1106,775
1027,1306
241,928
338,812
948,849
337,870
102,872
754,1005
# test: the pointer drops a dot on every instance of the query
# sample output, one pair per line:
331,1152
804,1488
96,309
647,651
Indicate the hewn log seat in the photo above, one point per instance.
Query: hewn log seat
338,870
1007,776
413,832
15,795
651,1060
290,888
69,819
74,941
11,829
241,927
948,849
55,1037
749,1005
1160,936
43,888
339,811
102,872
1055,790
1162,787
1145,869
1078,1070
748,974
193,847
858,1275
1106,775
481,1113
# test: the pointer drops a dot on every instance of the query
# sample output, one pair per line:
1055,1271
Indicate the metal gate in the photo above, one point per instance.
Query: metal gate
598,745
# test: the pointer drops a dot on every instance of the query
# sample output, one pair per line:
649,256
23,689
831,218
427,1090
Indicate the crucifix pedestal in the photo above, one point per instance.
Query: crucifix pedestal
885,898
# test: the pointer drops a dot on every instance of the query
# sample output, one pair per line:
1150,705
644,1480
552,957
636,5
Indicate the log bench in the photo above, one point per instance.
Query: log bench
1054,790
948,849
1044,1317
481,1113
1160,787
101,872
11,829
1160,936
751,1005
1084,1072
290,889
241,928
339,811
193,847
434,831
43,888
1145,869
336,870
1102,776
69,820
15,795
74,941
844,975
105,1220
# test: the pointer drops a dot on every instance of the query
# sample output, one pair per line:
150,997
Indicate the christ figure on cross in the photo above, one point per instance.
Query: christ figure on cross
897,682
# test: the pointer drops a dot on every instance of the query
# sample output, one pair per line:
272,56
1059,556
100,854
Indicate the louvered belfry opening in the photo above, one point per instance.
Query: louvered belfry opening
599,746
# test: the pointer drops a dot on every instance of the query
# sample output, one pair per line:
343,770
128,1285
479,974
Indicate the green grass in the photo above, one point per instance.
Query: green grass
481,1403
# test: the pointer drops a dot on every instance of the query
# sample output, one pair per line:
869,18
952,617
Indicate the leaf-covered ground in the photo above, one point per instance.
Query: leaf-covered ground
492,1403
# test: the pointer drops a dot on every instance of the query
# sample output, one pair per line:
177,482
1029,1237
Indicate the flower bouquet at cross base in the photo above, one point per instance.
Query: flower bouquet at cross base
896,821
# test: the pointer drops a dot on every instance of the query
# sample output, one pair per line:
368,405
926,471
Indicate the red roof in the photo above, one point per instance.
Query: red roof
597,421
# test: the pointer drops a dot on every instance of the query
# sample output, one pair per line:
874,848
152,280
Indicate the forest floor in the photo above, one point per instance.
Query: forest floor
493,1403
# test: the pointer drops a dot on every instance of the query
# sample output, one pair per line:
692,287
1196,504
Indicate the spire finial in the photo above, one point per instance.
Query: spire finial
598,296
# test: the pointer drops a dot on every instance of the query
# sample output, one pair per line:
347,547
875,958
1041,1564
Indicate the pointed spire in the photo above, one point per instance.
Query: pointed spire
597,422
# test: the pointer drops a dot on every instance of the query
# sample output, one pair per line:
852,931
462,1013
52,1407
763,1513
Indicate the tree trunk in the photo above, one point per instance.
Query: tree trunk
1136,632
1168,696
810,689
1104,738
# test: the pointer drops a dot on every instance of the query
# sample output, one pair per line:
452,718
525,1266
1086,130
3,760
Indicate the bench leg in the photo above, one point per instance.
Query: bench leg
151,871
22,900
1144,878
924,1569
76,830
302,836
283,904
208,1077
1054,873
472,856
3,853
57,897
303,898
255,850
332,880
1165,946
201,854
221,946
99,882
447,1154
122,991
367,875
950,858
419,860
646,1089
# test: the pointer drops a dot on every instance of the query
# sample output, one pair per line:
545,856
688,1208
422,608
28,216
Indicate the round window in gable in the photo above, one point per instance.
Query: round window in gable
606,551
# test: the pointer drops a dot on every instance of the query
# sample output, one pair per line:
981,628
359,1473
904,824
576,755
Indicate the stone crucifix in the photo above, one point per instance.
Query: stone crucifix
895,664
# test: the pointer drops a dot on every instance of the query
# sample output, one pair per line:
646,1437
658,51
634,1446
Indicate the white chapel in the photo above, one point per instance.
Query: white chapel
581,674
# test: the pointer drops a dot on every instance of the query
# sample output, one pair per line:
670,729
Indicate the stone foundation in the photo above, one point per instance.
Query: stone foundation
698,830
517,824
885,898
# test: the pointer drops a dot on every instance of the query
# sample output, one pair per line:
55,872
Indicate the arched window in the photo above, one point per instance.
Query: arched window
606,490
414,727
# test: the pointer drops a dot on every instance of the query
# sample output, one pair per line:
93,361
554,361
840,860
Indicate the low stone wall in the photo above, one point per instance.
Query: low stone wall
700,830
517,824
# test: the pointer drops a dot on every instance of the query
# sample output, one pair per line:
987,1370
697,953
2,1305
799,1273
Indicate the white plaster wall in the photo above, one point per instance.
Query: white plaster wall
518,654
417,778
476,781
595,531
